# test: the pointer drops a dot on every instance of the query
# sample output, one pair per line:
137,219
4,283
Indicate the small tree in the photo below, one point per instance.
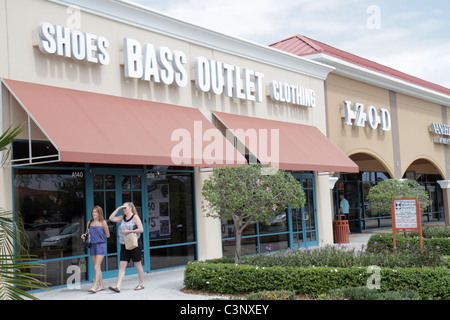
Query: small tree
246,196
382,194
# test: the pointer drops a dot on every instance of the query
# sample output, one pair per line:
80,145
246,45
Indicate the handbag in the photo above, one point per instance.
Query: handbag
87,238
131,241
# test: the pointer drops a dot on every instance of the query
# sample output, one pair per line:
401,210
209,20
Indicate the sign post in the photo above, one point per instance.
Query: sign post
406,217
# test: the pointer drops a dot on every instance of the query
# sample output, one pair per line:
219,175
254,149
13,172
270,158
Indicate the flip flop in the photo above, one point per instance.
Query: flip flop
92,291
115,289
139,287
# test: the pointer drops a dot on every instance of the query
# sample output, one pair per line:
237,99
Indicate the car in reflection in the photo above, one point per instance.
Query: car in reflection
64,238
42,230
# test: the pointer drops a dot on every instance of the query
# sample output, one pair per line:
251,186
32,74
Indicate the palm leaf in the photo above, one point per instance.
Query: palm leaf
6,139
13,266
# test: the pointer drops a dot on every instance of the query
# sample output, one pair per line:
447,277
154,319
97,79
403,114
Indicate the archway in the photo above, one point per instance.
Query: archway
427,174
355,188
368,162
423,166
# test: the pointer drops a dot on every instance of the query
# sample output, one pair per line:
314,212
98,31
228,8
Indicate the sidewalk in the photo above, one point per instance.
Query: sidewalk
160,285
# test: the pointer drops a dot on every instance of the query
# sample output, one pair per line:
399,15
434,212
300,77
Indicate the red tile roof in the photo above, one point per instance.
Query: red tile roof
303,46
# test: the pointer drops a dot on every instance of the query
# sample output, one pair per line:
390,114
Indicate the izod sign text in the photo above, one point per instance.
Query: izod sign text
357,115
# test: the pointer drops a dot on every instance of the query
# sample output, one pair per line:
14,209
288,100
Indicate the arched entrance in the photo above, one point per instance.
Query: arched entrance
355,188
427,173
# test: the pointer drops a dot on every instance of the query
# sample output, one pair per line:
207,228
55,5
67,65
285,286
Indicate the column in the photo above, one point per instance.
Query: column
324,208
445,185
209,235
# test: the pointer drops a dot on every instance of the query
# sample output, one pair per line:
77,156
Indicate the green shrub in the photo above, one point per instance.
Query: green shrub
272,295
436,231
432,282
385,242
364,293
333,256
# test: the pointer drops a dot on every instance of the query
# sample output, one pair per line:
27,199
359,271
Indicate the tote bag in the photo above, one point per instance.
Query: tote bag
131,241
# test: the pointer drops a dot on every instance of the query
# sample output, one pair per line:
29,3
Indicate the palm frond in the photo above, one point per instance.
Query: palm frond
14,277
6,139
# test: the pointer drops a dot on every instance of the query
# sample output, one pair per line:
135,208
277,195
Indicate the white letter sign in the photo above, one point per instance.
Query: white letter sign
358,117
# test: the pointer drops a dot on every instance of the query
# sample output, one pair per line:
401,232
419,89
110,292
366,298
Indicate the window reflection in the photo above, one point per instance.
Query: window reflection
52,206
171,218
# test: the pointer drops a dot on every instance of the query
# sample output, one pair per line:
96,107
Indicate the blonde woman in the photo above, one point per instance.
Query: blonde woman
99,232
129,223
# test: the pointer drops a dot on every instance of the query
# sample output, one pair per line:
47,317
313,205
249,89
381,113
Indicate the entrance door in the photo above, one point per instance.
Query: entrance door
110,190
304,220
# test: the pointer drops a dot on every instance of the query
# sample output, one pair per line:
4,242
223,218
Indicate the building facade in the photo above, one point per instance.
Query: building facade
391,124
120,103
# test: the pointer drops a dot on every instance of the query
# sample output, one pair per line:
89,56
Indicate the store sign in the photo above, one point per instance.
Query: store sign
406,217
72,43
218,77
358,116
155,65
443,130
163,65
290,93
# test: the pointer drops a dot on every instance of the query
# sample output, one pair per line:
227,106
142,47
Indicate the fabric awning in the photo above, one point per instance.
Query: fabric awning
96,128
296,147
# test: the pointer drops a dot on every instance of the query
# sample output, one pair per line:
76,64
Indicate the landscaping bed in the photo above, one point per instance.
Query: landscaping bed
404,273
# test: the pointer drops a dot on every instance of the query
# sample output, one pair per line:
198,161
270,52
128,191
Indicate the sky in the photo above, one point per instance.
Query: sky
411,36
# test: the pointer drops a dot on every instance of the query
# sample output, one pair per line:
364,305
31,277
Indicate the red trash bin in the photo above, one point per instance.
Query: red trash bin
341,229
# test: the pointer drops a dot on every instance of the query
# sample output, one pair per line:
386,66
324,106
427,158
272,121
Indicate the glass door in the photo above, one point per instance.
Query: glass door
111,190
304,220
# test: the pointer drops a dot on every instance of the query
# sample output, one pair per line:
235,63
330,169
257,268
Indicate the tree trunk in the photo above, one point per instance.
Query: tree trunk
238,237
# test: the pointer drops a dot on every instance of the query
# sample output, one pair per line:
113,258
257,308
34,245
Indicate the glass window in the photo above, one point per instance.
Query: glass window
52,205
171,218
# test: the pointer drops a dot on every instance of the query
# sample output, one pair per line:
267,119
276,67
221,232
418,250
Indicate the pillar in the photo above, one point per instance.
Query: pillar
324,208
445,185
209,235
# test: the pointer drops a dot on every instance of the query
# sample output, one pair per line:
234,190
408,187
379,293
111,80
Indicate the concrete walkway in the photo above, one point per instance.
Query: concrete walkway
160,285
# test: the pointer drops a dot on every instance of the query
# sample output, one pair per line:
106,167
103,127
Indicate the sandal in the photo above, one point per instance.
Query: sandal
115,289
139,287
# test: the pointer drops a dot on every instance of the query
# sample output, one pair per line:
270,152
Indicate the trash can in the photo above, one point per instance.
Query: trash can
340,229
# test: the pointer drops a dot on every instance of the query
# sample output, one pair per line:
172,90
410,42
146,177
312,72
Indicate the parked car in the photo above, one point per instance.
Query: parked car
64,238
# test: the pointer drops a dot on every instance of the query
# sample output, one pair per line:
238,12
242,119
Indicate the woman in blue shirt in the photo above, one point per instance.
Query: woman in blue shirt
98,232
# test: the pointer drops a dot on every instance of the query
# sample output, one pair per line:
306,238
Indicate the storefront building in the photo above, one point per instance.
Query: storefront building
120,103
391,124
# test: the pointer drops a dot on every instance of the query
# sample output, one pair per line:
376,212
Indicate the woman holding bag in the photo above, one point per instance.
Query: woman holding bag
98,231
129,223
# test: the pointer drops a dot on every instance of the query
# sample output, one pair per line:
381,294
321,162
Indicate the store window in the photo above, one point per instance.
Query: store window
356,187
52,206
171,218
429,182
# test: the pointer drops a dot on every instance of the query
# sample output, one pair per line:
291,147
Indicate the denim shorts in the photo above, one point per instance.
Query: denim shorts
98,249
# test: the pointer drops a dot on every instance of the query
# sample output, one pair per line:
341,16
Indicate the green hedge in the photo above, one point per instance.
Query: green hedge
384,241
236,279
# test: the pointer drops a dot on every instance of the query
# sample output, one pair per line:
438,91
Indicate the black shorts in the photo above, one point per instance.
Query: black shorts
135,254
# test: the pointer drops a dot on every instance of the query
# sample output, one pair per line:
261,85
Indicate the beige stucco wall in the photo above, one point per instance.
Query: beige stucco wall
414,117
21,59
353,139
416,141
27,63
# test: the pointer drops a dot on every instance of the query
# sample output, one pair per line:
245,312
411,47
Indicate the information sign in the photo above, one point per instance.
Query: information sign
406,217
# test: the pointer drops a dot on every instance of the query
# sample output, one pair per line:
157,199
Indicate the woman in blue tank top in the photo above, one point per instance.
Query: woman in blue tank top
98,232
